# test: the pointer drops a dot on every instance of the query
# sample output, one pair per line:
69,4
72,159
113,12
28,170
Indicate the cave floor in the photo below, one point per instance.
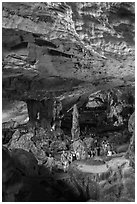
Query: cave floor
100,168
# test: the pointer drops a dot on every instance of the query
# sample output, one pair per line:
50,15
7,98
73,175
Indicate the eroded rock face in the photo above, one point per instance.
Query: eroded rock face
131,149
41,112
131,123
11,178
26,143
103,21
25,162
68,52
104,110
103,181
39,144
80,53
73,20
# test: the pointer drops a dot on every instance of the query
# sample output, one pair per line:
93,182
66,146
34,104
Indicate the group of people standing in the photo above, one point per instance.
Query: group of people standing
102,149
67,157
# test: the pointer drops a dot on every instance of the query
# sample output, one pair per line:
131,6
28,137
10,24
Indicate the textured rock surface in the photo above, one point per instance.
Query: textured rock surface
80,147
70,59
25,162
131,149
103,181
11,178
26,143
79,53
131,123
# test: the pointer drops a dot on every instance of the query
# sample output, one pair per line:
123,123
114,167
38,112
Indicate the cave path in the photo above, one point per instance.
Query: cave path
92,168
113,163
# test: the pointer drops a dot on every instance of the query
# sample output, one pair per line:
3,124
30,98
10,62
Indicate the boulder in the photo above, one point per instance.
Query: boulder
56,146
25,162
27,143
88,142
103,181
131,123
11,178
131,150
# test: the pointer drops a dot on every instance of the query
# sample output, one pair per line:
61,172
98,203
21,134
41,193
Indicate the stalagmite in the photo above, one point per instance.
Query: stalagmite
57,107
75,131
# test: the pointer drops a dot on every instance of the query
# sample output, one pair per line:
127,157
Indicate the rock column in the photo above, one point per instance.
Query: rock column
41,112
75,131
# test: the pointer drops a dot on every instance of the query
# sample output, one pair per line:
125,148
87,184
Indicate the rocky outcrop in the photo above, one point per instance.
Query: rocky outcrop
26,143
103,181
131,123
27,188
41,112
99,23
79,53
25,162
11,179
70,62
39,143
131,150
104,110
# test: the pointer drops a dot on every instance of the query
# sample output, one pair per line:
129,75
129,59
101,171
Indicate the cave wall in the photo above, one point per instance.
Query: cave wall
79,43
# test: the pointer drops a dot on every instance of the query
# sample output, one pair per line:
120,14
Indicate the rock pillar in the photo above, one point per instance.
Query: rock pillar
75,131
41,112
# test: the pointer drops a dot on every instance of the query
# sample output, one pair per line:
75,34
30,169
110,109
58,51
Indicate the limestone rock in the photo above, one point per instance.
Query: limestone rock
56,146
131,123
11,179
58,35
26,143
89,142
131,150
106,181
80,147
76,49
75,131
25,162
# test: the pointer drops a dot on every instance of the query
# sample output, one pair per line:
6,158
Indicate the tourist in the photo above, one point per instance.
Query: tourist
64,161
95,143
89,154
109,153
74,156
66,166
63,156
98,150
70,157
92,153
105,147
50,163
78,155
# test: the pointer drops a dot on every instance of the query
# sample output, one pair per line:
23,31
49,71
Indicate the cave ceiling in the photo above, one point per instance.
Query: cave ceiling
66,48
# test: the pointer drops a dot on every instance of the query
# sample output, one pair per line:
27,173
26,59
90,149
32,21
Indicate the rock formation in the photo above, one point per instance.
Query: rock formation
75,130
61,59
29,45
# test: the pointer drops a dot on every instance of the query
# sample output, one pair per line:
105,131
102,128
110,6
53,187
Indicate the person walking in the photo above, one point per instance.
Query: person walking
50,163
70,157
64,161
